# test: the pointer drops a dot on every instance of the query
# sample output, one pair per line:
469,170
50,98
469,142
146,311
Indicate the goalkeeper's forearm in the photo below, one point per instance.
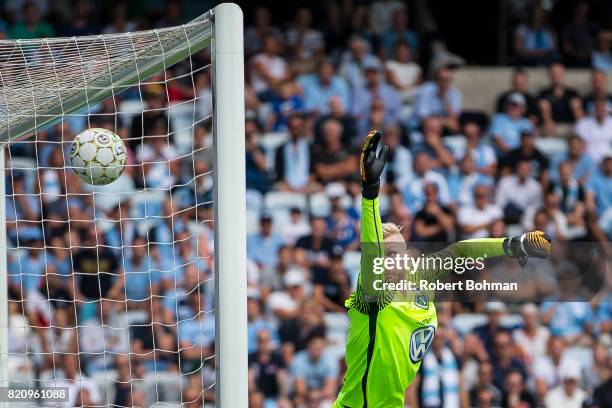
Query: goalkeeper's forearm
483,248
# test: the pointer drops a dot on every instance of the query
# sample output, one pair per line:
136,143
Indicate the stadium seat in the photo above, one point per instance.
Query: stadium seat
551,146
465,323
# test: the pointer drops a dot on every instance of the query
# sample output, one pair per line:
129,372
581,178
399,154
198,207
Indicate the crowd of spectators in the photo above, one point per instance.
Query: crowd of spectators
128,288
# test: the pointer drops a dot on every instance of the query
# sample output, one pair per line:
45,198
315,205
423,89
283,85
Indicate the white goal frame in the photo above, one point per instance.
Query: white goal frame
229,198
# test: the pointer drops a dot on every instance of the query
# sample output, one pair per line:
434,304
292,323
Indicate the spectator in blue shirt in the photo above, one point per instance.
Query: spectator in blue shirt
506,128
284,104
414,192
440,98
256,323
535,42
321,87
263,246
582,163
566,313
375,89
599,189
400,32
315,372
140,280
478,149
355,60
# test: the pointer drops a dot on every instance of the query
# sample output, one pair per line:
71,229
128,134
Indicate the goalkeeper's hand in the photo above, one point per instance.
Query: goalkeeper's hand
534,244
374,154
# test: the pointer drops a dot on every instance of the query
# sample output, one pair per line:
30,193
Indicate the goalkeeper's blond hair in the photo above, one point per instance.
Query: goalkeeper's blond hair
389,228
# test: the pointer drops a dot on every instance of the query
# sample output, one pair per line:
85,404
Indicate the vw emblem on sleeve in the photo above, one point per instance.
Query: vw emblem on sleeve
420,341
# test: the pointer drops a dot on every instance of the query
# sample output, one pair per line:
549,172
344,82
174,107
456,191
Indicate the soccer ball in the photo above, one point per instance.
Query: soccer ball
97,156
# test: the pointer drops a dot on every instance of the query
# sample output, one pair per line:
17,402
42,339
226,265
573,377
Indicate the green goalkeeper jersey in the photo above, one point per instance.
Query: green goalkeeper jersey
389,336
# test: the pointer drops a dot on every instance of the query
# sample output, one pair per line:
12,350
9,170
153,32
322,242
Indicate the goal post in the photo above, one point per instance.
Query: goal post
231,288
46,83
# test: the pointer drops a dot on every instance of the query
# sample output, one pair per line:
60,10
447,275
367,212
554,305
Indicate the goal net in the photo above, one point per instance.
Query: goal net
133,293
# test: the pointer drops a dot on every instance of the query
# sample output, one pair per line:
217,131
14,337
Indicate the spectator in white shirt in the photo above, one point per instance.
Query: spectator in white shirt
402,72
568,394
475,220
596,131
517,192
533,336
268,69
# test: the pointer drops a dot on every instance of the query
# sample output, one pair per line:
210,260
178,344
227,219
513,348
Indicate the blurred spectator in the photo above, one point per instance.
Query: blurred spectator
434,222
80,22
263,246
254,35
398,171
315,373
284,104
285,302
601,57
535,42
267,371
568,394
342,227
331,287
547,367
485,383
402,72
578,37
119,22
461,184
306,44
599,188
599,89
527,151
296,227
399,33
480,150
257,323
558,103
414,192
313,251
505,363
31,27
495,310
440,98
153,121
516,393
475,220
381,14
257,177
507,127
431,143
293,162
572,199
532,337
331,161
372,91
517,192
319,89
354,62
82,390
519,84
566,313
596,130
268,69
582,165
337,111
195,335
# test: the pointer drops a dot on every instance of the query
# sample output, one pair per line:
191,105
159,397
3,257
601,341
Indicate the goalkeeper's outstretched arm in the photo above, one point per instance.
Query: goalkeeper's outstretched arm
532,244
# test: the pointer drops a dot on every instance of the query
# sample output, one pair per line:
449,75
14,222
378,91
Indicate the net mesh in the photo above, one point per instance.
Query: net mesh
110,288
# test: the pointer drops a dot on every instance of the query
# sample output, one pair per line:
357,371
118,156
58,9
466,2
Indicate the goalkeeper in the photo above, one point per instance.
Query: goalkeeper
389,332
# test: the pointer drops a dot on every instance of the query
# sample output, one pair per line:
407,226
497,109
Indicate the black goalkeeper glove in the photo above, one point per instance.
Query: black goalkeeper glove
534,244
374,154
